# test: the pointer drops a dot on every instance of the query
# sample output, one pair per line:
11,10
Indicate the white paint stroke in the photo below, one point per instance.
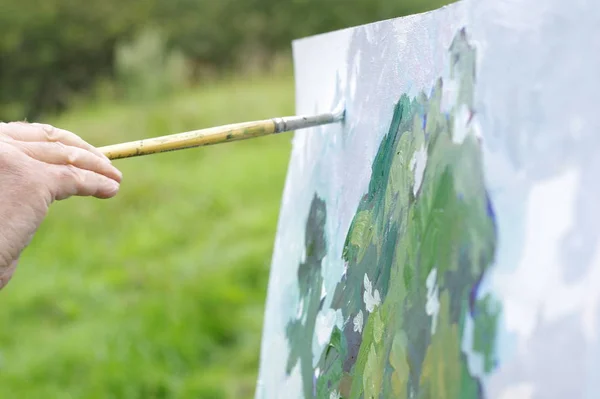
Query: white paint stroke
536,288
432,306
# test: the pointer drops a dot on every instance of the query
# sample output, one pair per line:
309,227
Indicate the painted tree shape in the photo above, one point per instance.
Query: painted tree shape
422,239
416,251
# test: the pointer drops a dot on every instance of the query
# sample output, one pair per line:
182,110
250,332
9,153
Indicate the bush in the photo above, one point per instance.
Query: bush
52,49
146,69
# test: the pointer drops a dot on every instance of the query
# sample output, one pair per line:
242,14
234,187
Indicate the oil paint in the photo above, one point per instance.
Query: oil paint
441,242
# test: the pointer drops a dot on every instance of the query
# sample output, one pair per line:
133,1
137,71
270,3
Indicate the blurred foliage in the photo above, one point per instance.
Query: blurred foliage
55,51
54,48
146,68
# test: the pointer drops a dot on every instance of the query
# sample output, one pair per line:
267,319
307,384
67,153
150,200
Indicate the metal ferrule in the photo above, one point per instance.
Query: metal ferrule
290,123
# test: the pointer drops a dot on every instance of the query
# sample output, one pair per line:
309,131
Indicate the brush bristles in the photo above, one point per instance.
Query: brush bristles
339,112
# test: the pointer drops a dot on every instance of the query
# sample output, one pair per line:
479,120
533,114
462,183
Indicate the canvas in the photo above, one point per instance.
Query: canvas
441,242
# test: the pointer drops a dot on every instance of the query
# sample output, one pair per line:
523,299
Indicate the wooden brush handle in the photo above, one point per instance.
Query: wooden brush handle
195,138
221,134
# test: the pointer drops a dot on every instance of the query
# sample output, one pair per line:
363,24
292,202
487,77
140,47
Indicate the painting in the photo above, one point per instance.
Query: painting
441,242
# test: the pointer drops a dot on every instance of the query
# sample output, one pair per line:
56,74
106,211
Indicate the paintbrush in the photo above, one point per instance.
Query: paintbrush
221,134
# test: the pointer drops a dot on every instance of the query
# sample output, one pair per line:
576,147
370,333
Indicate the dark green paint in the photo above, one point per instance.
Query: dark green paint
310,280
332,369
486,312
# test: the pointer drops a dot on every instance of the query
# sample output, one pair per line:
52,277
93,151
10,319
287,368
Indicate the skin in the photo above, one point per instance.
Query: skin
41,164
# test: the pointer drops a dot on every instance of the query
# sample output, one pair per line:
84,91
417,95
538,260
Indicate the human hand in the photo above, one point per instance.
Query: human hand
40,164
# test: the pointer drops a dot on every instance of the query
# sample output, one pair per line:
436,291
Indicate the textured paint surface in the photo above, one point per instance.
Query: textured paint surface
443,241
417,247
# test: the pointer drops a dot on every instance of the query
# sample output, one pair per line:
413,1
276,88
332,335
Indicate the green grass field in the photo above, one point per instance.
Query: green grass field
159,292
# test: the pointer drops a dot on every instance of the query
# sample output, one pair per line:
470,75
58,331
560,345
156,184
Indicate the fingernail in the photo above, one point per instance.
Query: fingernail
114,187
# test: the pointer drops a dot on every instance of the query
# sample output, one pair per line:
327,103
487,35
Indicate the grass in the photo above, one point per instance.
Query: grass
159,292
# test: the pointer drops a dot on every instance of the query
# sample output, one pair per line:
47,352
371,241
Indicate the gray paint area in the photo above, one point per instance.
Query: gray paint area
537,103
536,111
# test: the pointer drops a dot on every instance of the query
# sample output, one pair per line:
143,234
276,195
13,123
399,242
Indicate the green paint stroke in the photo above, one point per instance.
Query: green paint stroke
418,247
310,280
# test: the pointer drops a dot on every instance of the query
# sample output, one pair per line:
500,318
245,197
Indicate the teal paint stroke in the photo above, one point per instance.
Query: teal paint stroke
310,281
420,243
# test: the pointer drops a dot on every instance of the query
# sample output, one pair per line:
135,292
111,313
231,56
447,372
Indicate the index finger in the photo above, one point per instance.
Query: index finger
31,132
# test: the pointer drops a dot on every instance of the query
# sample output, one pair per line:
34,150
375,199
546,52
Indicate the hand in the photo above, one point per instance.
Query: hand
40,164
